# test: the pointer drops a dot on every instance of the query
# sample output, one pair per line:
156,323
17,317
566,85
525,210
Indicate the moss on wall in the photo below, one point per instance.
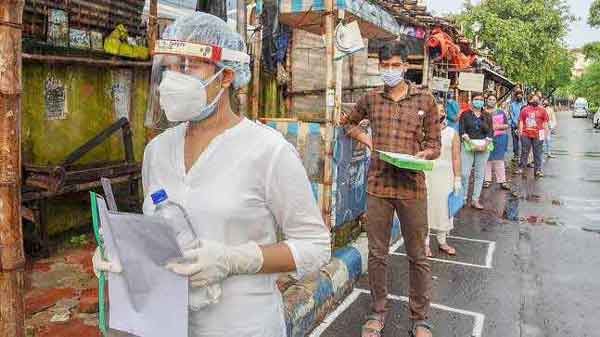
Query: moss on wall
89,110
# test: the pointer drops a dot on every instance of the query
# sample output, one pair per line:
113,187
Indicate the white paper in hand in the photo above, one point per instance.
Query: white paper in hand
145,299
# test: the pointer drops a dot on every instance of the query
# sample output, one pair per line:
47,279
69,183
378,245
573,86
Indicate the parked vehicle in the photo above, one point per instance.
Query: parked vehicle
596,119
580,110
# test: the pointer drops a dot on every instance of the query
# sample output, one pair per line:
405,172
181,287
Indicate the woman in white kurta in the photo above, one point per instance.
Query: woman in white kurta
441,181
240,183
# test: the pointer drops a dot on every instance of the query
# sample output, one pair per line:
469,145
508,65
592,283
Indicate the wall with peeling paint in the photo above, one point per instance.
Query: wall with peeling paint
90,94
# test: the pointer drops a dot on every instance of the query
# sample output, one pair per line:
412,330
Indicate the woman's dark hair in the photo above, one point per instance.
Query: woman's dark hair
393,49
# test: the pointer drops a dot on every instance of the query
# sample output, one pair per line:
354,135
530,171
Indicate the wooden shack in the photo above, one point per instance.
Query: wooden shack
73,89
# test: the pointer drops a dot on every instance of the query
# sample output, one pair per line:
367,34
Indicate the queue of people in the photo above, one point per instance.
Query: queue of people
237,220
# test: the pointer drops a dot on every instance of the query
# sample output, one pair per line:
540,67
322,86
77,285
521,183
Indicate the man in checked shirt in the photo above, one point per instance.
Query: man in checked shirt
404,119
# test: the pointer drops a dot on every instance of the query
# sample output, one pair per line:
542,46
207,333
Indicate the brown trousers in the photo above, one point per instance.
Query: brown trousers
413,224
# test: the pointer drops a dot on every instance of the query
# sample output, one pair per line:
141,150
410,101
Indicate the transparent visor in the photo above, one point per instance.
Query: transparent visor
185,83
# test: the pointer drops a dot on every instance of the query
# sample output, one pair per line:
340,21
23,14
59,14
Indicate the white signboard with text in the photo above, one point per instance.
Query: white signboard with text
440,84
471,82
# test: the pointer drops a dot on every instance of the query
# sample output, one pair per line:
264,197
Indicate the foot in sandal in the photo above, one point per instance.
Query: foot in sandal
448,249
421,329
373,326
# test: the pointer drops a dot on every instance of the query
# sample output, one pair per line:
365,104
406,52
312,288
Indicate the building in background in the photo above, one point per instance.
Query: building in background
580,63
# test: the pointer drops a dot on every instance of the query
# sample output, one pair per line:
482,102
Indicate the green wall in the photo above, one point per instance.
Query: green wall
89,110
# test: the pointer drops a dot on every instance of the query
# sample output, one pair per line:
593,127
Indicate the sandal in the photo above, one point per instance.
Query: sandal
420,324
477,205
505,186
370,331
447,249
487,184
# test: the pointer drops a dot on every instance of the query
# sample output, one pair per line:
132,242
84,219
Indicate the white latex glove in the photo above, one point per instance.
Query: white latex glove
457,184
213,262
203,297
101,264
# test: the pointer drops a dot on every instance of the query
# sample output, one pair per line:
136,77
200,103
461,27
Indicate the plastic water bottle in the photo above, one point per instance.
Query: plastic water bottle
186,239
176,217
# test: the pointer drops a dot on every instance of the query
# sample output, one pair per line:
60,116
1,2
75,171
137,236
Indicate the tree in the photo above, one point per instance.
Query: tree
525,37
588,85
592,51
594,17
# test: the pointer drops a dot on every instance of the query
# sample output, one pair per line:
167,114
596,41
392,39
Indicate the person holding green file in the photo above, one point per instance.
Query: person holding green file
477,136
404,120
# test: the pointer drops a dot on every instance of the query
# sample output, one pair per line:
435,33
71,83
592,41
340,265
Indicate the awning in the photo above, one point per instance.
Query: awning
500,79
374,21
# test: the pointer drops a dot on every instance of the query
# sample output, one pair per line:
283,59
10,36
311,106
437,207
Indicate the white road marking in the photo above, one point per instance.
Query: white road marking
450,261
478,318
488,258
490,254
469,239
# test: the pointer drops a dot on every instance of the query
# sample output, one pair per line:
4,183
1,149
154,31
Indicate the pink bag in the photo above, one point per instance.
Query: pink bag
498,119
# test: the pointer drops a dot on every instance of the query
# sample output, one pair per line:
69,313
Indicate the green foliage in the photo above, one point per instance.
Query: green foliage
594,17
79,240
526,38
592,51
588,85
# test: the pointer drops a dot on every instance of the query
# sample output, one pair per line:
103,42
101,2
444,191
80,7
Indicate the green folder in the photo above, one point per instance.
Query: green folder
102,276
406,161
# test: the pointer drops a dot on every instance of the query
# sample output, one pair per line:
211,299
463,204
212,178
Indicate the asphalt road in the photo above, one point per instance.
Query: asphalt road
525,267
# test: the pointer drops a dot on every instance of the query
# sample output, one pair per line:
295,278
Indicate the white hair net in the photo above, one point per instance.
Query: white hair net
205,28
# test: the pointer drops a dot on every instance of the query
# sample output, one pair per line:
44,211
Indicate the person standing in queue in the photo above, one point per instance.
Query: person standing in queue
404,119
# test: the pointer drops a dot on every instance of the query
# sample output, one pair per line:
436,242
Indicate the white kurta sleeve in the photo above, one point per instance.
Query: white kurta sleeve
290,199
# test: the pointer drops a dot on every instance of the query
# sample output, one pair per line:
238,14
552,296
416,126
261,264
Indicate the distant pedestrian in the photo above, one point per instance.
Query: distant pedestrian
552,124
495,163
477,134
441,181
452,111
513,120
533,126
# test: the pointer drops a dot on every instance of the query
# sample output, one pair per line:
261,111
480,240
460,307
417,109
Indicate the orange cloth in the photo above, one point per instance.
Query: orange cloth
449,49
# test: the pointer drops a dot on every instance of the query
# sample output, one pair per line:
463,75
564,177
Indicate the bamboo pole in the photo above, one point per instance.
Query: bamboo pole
152,37
338,81
152,25
330,103
12,258
256,68
242,29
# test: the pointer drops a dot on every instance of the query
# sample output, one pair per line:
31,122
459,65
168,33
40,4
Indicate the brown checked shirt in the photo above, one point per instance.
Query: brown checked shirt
408,126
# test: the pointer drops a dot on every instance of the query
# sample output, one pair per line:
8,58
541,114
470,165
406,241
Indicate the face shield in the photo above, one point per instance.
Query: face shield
187,81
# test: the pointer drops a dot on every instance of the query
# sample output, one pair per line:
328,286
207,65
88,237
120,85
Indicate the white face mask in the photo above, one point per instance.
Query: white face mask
392,78
183,97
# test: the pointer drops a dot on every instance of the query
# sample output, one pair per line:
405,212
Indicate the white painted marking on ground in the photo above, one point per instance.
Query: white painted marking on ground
490,254
478,318
469,239
450,261
334,314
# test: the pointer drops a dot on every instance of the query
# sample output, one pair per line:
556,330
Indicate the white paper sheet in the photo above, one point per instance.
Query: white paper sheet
145,300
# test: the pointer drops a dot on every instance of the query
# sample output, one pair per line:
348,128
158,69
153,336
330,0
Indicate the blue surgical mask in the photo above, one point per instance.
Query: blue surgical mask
478,104
392,77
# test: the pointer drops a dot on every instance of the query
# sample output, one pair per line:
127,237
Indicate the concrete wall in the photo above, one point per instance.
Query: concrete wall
94,98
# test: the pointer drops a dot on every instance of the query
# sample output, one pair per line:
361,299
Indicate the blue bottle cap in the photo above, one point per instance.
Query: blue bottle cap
159,196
